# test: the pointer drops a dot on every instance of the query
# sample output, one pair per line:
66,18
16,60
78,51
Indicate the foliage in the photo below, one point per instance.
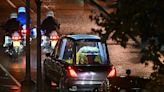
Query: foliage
132,19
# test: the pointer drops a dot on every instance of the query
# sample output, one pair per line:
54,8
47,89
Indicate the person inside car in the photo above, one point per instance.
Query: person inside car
88,55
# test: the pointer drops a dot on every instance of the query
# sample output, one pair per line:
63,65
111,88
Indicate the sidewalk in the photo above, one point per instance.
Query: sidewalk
7,82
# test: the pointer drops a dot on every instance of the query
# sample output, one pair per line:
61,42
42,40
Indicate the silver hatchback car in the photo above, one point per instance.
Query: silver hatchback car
79,63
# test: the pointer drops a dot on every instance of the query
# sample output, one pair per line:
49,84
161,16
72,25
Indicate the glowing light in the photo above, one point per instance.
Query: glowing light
21,9
72,72
13,15
92,73
112,73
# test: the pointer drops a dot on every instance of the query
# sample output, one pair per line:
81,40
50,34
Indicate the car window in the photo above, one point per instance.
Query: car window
89,52
56,50
68,51
86,51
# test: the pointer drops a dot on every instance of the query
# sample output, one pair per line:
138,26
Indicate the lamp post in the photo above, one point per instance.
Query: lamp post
28,81
39,68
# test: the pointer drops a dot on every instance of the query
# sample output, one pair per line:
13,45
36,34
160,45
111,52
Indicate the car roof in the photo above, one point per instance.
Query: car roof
83,37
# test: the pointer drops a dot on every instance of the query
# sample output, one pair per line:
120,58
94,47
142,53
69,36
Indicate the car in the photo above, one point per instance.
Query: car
79,62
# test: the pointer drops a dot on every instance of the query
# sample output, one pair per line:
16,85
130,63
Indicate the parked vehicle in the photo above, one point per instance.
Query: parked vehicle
79,63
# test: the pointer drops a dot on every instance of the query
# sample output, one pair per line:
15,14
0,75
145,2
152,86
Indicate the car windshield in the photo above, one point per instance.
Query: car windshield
90,52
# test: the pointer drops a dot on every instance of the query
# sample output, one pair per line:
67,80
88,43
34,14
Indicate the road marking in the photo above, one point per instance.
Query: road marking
11,3
17,82
11,87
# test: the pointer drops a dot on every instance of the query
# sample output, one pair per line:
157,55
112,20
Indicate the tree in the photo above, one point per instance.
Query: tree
132,19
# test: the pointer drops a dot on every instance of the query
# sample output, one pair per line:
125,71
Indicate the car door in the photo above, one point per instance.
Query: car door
63,54
50,65
57,66
57,70
60,67
52,69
